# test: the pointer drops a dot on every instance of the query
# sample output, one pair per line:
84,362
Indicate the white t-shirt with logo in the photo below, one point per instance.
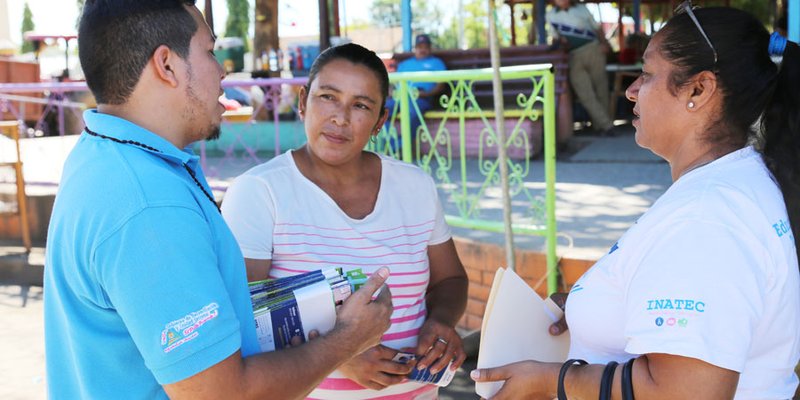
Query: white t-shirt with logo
709,272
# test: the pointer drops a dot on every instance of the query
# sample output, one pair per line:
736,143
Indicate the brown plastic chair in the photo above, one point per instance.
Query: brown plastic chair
11,130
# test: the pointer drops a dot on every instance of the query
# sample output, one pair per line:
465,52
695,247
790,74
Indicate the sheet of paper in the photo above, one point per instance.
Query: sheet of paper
515,328
316,308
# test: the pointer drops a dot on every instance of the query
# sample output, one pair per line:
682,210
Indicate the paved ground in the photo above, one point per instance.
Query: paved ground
22,374
602,188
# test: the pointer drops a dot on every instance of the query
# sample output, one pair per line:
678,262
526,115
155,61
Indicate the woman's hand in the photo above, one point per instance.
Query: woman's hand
446,299
523,380
374,368
561,325
439,344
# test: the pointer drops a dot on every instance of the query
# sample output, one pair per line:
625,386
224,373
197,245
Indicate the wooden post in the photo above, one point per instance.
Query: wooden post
499,109
335,20
208,13
513,25
620,29
539,12
324,25
266,28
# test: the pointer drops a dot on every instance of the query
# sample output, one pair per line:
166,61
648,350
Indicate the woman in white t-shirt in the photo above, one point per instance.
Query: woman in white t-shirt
700,299
332,204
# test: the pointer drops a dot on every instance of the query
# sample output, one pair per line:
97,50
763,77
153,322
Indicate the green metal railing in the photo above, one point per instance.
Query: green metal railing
433,148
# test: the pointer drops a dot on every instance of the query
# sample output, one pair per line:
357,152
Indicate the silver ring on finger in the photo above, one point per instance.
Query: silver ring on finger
442,341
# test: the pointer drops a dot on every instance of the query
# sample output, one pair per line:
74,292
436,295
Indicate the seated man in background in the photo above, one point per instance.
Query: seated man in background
423,60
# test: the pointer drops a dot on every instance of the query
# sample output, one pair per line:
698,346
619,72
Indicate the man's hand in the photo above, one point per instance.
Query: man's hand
361,321
438,345
560,326
374,368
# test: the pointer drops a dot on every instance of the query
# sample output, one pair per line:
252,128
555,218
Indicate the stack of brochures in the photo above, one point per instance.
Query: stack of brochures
294,306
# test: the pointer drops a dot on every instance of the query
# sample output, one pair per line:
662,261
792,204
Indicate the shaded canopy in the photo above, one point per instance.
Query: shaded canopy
329,16
539,10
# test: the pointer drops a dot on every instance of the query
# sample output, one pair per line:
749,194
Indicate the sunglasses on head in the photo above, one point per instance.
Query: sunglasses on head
686,7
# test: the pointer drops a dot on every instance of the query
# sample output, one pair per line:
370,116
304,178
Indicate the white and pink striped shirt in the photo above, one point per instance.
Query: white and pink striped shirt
276,213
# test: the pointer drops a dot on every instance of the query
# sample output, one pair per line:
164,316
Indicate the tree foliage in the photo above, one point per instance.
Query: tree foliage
27,26
476,23
763,10
238,22
429,17
426,16
385,13
80,10
475,19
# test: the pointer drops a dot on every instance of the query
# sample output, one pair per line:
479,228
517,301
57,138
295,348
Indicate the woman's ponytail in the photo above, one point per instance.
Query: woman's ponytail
780,128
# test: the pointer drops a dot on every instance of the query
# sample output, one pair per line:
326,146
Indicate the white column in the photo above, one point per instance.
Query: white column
6,45
5,33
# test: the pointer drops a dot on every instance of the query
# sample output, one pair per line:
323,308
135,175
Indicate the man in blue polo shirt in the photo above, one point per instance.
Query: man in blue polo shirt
145,287
423,60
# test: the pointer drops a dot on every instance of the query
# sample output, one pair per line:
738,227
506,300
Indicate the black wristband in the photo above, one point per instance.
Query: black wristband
607,380
627,380
562,395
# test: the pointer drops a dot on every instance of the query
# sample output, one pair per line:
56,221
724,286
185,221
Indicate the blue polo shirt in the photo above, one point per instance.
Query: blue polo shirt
144,283
414,64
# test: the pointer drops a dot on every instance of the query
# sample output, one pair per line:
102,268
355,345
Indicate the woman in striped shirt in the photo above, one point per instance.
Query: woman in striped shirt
332,204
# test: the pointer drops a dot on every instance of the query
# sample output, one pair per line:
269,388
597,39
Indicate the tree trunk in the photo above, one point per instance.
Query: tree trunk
266,27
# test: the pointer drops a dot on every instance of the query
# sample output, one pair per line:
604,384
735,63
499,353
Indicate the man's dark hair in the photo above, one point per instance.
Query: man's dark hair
116,38
358,55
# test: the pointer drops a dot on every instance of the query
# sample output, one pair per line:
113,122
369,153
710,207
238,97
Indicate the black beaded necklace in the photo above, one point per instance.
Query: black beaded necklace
153,149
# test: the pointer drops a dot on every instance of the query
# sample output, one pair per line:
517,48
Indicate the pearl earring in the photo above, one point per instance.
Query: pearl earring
691,104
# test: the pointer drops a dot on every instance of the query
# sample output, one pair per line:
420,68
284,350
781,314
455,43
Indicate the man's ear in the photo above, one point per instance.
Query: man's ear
164,62
702,89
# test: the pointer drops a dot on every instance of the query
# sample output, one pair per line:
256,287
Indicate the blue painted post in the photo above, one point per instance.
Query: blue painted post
637,15
405,21
541,32
794,21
